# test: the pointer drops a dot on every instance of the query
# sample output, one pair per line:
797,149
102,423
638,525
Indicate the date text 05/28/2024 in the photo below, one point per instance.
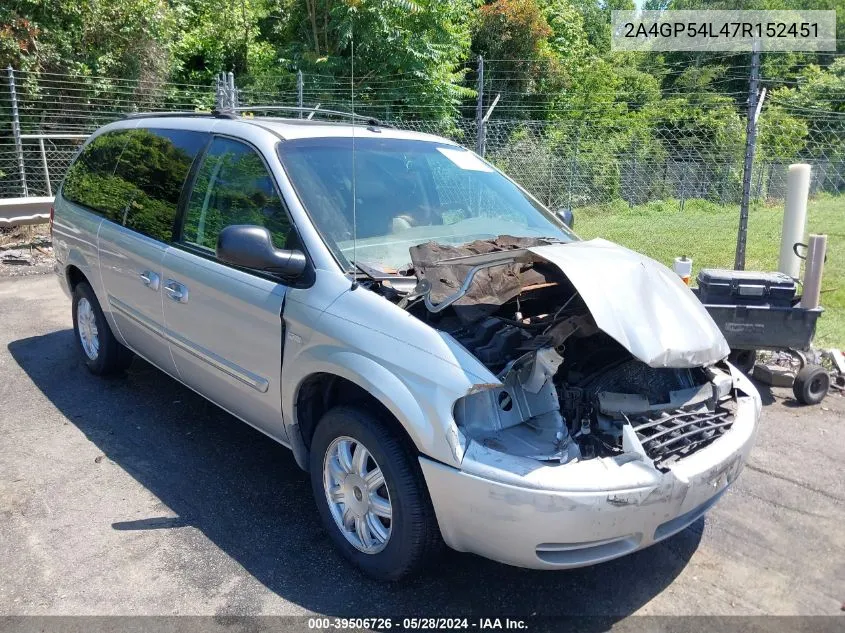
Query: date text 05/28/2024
384,623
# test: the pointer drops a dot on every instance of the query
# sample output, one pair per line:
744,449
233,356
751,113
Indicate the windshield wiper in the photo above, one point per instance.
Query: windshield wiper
379,275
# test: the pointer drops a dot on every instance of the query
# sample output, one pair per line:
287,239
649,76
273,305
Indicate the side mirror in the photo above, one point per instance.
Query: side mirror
566,216
252,247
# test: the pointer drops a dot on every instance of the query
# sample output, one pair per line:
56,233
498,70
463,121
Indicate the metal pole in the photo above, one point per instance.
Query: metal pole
759,191
491,108
299,86
479,110
313,112
16,130
768,188
219,92
233,93
573,163
633,188
748,165
44,165
759,108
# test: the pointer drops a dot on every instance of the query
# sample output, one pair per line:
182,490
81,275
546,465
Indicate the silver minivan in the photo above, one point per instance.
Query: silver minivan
448,360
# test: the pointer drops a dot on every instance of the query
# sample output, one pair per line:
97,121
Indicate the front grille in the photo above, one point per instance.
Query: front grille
679,433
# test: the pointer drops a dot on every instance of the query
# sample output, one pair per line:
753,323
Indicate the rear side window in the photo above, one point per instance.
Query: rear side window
134,177
90,181
156,164
233,187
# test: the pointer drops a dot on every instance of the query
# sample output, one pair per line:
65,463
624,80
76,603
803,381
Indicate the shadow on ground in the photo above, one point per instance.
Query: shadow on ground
246,494
765,391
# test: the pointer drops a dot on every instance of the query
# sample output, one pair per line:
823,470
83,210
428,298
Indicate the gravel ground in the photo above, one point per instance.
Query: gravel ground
135,496
25,250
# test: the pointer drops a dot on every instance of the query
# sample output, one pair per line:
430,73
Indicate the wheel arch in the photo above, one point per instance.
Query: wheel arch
74,276
354,379
77,267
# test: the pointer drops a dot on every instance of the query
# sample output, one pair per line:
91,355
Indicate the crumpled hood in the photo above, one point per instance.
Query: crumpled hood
640,303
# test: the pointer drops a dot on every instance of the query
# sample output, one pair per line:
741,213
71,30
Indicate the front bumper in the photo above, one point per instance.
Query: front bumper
572,515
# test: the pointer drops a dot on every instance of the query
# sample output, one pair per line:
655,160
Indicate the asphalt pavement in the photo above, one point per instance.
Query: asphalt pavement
133,495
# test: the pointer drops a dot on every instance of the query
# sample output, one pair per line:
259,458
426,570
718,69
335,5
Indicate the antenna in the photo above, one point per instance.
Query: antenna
354,192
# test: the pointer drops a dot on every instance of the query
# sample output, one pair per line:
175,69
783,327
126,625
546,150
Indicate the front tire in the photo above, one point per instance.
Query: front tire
743,359
371,495
102,352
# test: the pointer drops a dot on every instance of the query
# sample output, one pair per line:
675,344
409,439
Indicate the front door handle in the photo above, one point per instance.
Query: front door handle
150,279
176,291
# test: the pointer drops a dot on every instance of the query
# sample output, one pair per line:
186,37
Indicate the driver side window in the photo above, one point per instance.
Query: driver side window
233,187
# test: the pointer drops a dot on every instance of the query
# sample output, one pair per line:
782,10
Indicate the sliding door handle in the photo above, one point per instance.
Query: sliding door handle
176,291
150,279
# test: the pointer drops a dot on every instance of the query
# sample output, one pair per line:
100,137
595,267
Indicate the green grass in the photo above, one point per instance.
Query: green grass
707,232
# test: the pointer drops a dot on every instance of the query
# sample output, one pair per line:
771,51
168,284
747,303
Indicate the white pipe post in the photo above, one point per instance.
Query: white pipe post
816,247
794,218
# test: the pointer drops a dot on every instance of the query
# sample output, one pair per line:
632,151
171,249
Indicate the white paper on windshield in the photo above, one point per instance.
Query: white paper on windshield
464,159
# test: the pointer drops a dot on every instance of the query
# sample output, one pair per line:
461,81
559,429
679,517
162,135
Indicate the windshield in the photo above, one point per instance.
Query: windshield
407,193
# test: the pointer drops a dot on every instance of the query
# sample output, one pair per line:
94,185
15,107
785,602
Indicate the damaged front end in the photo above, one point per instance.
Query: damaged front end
607,419
656,415
599,352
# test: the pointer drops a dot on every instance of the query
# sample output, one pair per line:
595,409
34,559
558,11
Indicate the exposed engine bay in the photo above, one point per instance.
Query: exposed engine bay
569,390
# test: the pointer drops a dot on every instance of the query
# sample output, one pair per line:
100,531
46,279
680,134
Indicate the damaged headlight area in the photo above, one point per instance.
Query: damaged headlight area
589,399
522,417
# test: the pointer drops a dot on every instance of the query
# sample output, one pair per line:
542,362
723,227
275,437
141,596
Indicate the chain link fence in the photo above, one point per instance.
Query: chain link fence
45,117
625,176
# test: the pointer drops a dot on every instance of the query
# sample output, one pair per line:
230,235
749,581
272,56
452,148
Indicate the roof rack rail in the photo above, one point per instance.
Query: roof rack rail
311,111
234,113
219,114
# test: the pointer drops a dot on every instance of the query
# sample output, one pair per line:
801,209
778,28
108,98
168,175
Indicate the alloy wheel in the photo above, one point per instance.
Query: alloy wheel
357,495
86,325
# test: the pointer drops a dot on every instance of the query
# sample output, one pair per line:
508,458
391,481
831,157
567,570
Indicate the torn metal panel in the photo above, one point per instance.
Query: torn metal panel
640,303
491,287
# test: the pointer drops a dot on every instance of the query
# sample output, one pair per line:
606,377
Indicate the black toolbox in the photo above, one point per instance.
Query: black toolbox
745,287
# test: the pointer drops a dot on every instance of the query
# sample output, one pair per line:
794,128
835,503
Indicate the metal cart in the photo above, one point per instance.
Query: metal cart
749,328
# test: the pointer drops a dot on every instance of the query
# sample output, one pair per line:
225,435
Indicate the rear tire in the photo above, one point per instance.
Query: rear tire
391,548
102,352
811,384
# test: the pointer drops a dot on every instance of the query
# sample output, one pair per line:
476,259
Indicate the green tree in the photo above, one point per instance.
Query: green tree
129,39
812,111
221,35
408,53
